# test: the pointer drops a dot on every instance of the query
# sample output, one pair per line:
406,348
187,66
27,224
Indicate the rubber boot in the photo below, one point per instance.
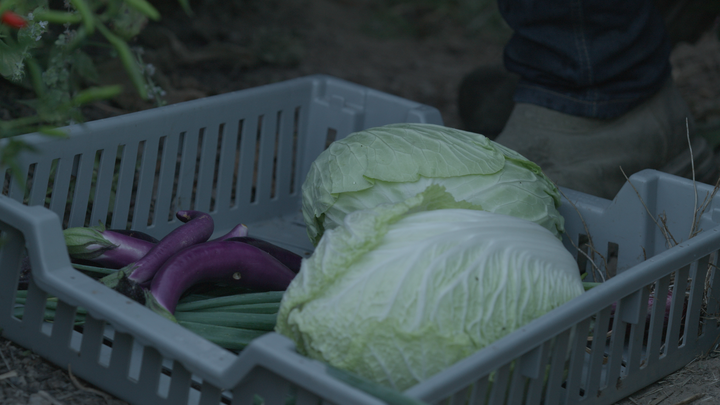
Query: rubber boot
594,156
485,100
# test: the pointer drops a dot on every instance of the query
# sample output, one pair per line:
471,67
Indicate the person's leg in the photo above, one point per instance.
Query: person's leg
595,93
591,58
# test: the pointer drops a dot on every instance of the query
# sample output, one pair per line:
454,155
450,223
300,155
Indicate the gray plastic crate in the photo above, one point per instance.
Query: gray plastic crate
243,157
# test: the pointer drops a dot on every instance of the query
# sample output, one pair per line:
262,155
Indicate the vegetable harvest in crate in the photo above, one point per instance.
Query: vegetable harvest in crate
240,278
430,244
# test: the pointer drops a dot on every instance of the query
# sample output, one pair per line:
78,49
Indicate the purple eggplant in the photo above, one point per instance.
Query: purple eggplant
239,231
229,262
137,235
198,228
290,259
104,248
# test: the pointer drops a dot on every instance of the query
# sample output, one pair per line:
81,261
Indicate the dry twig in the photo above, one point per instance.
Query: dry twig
81,387
666,232
7,365
49,398
690,400
692,167
590,244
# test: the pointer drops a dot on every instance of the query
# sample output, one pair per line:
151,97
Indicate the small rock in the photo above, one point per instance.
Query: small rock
38,399
18,381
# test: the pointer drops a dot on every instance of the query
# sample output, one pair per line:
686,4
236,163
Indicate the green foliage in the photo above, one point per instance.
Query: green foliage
51,56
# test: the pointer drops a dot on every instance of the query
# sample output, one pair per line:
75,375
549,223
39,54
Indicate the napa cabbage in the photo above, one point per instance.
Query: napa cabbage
398,292
391,163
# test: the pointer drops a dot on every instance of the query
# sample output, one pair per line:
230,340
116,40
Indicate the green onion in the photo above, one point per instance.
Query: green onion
265,308
223,336
93,270
232,300
230,319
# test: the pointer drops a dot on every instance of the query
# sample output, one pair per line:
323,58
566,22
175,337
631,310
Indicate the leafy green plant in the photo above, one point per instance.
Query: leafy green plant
50,51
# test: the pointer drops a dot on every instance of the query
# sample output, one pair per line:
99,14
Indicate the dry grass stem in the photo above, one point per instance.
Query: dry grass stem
663,230
692,169
590,259
657,400
699,212
49,398
689,400
81,387
590,244
7,365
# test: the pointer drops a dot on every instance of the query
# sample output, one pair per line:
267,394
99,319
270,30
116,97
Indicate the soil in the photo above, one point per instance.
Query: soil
414,52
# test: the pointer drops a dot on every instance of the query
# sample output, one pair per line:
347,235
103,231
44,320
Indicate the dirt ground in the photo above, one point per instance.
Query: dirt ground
413,52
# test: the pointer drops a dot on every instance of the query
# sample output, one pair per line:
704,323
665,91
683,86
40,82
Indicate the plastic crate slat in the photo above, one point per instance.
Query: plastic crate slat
163,210
577,358
34,307
478,394
123,194
122,348
103,186
92,339
62,326
15,190
537,371
186,175
616,357
61,185
285,157
206,171
226,166
146,181
656,335
516,394
41,178
262,176
676,320
246,164
460,397
713,298
209,394
695,301
81,192
557,370
268,386
180,382
10,258
637,335
150,369
498,388
598,359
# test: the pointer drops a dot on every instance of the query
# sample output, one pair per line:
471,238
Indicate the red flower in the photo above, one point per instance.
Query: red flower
12,20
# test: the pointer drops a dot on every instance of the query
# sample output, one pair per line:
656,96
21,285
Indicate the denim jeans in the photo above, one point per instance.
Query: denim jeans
591,58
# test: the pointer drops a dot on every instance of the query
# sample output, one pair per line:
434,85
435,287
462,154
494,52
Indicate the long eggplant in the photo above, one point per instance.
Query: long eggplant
129,280
291,259
228,262
105,248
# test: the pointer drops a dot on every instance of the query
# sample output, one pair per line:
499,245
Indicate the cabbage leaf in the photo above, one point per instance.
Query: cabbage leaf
391,163
399,292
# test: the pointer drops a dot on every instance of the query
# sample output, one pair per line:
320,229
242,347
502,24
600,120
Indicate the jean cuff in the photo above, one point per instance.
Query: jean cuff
578,105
